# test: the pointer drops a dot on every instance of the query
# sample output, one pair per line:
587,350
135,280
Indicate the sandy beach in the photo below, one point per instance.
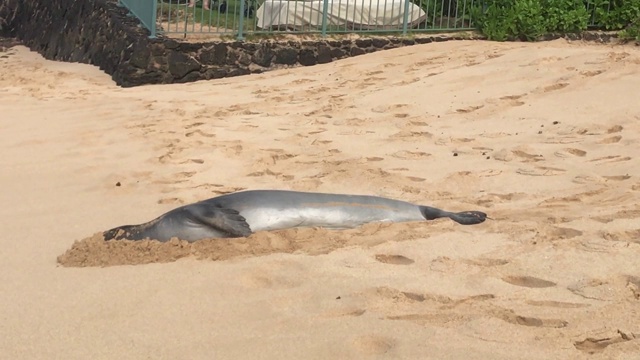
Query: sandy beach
543,137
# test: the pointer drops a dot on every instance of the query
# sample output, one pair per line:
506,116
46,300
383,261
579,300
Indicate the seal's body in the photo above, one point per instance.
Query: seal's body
241,213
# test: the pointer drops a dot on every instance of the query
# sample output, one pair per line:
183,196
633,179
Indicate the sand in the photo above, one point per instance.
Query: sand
543,137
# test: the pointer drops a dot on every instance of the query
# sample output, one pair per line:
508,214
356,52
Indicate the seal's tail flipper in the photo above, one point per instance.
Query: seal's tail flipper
464,218
227,220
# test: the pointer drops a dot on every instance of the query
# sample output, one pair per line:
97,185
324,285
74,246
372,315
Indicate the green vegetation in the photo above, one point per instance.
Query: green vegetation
527,20
178,14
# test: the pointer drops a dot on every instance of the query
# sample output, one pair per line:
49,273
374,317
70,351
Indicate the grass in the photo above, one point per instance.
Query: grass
180,13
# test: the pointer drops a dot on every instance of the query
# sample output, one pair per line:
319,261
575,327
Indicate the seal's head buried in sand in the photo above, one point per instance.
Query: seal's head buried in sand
242,213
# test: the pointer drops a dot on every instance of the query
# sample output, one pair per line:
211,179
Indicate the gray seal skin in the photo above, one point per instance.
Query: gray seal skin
242,213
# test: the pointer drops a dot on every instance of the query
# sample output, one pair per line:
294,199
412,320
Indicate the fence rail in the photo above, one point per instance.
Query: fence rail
243,17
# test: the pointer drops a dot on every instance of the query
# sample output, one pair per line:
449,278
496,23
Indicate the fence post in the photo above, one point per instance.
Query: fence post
241,21
154,13
325,9
405,18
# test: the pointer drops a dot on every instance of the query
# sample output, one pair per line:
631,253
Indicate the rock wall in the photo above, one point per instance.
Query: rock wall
99,32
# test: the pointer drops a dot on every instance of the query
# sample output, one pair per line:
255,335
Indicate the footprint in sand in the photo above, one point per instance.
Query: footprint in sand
195,161
528,281
545,60
185,174
193,125
541,171
554,87
469,109
557,304
219,189
277,175
611,159
596,344
572,151
411,135
514,100
591,73
527,157
394,259
622,214
614,129
513,318
610,140
614,288
617,177
170,201
373,344
407,82
384,109
486,262
628,236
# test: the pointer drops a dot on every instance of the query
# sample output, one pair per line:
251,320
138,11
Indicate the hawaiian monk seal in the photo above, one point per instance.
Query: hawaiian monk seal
241,213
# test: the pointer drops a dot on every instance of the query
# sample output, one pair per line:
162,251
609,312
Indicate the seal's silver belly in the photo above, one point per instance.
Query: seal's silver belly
328,214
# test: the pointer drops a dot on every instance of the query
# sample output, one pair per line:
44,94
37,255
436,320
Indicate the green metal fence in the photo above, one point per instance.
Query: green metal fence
144,10
239,18
243,17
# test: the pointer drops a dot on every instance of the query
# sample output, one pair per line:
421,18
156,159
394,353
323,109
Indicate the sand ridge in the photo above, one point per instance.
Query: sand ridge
543,137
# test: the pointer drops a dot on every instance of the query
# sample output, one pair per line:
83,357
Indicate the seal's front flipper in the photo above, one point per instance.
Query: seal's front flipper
226,220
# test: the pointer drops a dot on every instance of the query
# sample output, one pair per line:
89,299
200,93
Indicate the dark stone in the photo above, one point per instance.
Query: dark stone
252,47
379,43
244,59
216,73
546,37
140,56
439,38
189,47
408,42
171,44
150,77
263,55
337,53
180,64
363,43
215,55
424,40
573,37
238,72
355,51
307,57
607,37
160,63
190,77
324,54
286,56
233,57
